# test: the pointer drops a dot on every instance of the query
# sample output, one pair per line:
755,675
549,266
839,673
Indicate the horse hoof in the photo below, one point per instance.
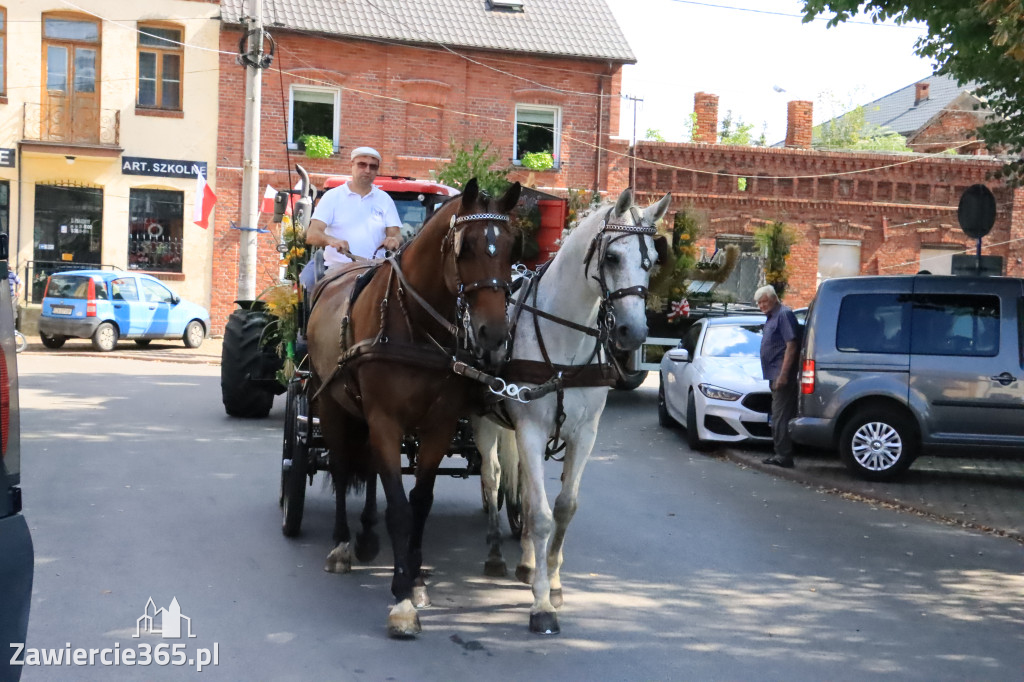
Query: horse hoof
403,621
556,598
420,598
495,568
339,560
544,623
524,574
367,546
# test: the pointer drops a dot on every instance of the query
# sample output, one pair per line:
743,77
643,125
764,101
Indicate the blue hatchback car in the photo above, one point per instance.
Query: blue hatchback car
106,306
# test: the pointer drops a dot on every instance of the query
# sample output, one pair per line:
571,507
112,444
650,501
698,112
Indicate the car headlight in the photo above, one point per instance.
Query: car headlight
716,393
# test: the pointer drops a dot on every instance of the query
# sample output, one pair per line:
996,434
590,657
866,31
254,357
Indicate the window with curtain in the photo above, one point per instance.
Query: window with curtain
537,130
160,62
314,111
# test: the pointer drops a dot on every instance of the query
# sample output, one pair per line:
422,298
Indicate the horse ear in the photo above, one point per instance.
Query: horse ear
661,246
470,193
510,198
623,203
656,212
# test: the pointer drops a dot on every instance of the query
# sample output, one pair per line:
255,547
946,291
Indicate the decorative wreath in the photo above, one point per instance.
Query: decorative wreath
154,229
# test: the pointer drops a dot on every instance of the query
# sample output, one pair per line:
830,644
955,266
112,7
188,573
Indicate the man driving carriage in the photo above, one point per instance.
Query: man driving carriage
356,218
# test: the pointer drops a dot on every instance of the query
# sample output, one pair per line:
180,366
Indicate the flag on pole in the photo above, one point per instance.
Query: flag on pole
680,308
267,205
204,201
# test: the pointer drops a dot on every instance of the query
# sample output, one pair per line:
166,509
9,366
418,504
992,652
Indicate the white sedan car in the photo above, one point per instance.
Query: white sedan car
711,382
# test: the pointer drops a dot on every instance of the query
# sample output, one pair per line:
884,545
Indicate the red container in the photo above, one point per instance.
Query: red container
552,222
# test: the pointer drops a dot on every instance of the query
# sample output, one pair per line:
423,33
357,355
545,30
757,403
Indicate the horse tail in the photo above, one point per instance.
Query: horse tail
508,458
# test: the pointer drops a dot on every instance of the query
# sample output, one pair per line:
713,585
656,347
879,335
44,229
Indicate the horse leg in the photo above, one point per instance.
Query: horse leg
337,428
367,542
527,557
543,619
486,437
433,446
577,453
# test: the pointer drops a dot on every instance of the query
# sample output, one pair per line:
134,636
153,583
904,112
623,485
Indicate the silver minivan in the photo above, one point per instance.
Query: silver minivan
891,365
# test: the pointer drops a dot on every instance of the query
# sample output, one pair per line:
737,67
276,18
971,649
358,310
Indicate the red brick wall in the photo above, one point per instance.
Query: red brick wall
408,103
951,129
893,204
799,124
706,107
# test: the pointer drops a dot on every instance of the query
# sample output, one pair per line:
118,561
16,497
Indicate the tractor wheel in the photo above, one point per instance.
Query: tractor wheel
241,363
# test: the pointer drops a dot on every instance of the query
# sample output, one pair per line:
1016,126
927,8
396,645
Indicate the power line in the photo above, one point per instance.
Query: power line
794,16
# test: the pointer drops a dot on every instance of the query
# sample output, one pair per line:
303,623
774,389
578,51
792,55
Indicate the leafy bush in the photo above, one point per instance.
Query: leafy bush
538,161
317,146
476,162
775,240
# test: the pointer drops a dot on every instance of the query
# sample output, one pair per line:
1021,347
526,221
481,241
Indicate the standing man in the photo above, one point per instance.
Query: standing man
356,218
780,352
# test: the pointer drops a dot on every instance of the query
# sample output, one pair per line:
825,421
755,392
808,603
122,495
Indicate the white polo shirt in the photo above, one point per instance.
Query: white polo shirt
361,221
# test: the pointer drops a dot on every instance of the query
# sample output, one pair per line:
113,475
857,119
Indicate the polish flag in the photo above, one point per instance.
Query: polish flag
204,201
267,205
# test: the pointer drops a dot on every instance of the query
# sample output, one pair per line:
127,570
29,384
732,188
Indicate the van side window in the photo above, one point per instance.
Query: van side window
956,324
873,323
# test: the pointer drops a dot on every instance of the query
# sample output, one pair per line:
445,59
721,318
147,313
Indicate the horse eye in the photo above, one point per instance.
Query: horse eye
612,259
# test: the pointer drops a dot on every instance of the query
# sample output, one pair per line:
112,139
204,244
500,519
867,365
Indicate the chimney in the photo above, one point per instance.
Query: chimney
706,107
798,124
920,92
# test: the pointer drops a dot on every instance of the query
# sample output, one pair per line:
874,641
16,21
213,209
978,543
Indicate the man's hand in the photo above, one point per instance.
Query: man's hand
340,244
391,243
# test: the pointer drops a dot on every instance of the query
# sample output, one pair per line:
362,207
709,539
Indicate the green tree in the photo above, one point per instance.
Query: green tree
476,162
969,40
851,130
738,132
654,135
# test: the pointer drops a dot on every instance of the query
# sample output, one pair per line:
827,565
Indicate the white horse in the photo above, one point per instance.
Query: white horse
593,291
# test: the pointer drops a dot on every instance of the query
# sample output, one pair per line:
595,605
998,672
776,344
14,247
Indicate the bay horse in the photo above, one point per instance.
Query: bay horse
381,370
592,292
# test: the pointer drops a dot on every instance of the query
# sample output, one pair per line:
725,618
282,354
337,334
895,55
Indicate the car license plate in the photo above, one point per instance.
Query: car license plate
61,309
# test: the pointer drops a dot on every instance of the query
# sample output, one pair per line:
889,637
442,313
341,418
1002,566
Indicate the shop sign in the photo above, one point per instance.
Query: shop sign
165,168
6,158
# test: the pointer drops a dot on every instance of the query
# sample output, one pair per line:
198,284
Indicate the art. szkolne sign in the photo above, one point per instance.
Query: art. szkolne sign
165,168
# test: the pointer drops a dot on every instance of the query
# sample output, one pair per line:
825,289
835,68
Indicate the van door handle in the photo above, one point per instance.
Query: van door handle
1005,378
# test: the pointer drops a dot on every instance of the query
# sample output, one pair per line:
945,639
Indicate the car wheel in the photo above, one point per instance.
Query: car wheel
194,334
878,444
692,439
52,341
142,343
664,418
105,337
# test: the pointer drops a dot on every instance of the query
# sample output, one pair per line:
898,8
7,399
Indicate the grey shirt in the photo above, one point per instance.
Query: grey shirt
780,328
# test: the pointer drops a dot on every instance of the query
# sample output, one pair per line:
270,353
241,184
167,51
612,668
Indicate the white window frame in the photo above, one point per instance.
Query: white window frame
557,152
838,242
939,260
293,144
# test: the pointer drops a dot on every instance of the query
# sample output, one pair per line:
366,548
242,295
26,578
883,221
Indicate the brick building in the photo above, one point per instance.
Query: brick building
855,212
537,75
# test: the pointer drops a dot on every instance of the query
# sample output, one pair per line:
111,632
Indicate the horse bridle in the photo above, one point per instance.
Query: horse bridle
452,243
599,248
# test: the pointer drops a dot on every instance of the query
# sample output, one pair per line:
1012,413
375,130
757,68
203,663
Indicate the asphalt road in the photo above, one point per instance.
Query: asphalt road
678,565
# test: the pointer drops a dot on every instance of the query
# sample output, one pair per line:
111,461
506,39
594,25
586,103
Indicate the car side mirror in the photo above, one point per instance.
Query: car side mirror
679,355
175,299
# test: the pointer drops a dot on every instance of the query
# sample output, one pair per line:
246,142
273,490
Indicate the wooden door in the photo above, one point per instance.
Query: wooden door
71,76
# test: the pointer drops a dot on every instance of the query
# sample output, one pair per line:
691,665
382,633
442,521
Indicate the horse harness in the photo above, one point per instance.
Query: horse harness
556,378
418,354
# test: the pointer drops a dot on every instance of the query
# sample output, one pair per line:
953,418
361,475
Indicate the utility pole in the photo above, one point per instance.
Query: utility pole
632,177
249,205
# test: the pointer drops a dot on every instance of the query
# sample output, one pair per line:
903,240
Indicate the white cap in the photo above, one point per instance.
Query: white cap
366,151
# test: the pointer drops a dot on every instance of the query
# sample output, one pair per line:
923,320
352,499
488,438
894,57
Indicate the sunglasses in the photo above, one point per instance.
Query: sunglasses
371,166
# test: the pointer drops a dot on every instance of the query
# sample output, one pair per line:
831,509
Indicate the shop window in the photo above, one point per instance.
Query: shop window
313,111
538,129
160,59
5,206
156,232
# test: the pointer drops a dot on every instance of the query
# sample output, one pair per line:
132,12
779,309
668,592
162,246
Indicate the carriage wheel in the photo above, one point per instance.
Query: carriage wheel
288,442
293,478
514,513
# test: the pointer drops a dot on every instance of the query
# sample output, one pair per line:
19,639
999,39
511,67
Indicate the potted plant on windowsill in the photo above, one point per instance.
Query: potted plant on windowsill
316,146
